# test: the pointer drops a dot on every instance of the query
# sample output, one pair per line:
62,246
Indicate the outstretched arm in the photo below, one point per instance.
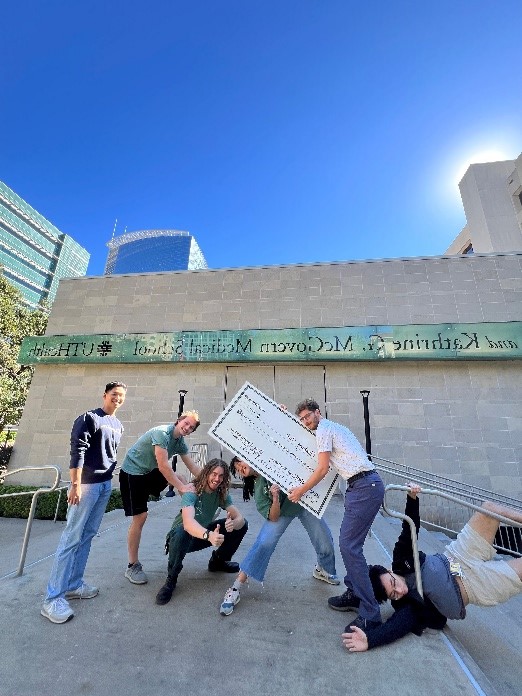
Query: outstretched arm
195,529
403,550
190,464
402,622
323,464
178,482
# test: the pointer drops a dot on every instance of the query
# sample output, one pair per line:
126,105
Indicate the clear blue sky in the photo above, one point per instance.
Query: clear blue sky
275,131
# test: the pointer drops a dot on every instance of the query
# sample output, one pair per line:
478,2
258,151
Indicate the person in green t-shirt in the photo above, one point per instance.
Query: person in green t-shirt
195,529
278,512
146,471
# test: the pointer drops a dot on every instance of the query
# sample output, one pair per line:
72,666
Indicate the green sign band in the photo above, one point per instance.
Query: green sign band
498,341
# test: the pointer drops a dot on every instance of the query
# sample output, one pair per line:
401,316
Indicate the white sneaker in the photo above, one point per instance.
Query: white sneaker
321,574
232,598
57,610
85,591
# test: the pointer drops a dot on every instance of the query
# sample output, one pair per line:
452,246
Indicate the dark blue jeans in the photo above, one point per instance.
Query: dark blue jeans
361,504
180,543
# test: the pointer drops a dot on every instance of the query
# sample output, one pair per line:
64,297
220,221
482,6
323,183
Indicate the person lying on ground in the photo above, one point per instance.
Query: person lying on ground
466,573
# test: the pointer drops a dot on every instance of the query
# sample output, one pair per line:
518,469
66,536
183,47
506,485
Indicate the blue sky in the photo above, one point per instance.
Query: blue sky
275,131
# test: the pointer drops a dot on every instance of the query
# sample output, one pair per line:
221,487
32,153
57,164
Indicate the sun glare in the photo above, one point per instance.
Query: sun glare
451,165
493,155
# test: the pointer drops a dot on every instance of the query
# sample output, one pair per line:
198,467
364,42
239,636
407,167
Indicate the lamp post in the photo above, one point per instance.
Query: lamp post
170,493
366,414
182,393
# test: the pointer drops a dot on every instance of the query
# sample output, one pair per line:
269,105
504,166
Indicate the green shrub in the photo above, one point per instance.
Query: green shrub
19,506
115,502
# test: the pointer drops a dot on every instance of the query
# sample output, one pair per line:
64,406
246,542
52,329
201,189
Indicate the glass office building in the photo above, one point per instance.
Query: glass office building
34,254
152,251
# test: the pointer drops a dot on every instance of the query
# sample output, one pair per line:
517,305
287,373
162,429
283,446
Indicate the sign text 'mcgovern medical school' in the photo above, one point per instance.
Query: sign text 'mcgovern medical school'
497,341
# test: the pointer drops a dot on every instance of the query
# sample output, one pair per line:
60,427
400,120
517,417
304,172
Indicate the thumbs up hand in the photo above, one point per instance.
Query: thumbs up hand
229,523
215,537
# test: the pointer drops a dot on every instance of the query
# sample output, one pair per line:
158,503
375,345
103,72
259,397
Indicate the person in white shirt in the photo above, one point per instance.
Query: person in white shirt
337,446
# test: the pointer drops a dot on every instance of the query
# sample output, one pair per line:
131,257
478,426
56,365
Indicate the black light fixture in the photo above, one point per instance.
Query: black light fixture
170,493
365,393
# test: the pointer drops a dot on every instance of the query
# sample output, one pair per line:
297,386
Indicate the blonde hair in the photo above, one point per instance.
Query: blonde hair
192,414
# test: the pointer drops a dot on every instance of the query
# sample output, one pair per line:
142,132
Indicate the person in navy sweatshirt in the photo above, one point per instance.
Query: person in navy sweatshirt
95,438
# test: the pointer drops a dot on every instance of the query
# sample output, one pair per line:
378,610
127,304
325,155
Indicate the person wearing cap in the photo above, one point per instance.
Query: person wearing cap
467,572
95,437
338,447
146,472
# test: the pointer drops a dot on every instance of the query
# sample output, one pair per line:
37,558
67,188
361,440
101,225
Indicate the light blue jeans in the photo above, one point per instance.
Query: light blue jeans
83,522
257,559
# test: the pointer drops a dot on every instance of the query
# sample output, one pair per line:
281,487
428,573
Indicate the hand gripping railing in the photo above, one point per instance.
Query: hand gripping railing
413,531
34,501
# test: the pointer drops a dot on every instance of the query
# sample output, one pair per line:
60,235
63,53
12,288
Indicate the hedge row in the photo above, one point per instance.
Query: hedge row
19,506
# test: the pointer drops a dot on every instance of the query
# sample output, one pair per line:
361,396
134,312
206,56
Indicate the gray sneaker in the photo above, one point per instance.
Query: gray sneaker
57,610
136,575
321,574
85,591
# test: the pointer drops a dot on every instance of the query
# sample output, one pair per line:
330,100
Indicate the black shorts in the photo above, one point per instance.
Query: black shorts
136,489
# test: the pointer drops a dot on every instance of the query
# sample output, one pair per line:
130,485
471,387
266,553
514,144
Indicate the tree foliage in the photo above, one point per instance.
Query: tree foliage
16,322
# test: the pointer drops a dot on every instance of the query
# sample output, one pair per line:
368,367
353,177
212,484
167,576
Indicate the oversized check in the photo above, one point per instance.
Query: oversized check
274,443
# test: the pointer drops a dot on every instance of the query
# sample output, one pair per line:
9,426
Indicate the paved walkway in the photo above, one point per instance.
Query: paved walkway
281,639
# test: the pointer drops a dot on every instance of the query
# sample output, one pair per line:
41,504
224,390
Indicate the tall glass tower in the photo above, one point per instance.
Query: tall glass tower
150,251
34,254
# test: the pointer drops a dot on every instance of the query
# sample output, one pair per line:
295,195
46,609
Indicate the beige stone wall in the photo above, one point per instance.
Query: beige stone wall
460,419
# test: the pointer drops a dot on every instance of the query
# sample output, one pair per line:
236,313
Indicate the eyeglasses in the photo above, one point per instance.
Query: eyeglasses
394,595
306,416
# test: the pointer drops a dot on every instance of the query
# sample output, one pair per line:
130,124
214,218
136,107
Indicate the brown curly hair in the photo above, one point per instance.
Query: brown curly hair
201,479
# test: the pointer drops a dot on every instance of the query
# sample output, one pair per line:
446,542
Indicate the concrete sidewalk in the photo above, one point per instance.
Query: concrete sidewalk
281,638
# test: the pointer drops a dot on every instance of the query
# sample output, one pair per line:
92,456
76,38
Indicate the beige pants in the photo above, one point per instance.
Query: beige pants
487,580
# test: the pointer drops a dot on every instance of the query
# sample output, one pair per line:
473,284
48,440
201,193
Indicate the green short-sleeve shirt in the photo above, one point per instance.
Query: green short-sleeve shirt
205,505
263,500
140,459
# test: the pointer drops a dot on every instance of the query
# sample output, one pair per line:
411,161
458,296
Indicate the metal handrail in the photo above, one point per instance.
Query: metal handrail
465,490
34,501
450,519
413,530
199,451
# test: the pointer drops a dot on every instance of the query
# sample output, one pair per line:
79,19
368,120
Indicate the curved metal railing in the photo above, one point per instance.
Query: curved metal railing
36,494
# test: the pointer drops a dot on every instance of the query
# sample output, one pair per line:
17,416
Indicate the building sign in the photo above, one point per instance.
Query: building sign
274,443
496,341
